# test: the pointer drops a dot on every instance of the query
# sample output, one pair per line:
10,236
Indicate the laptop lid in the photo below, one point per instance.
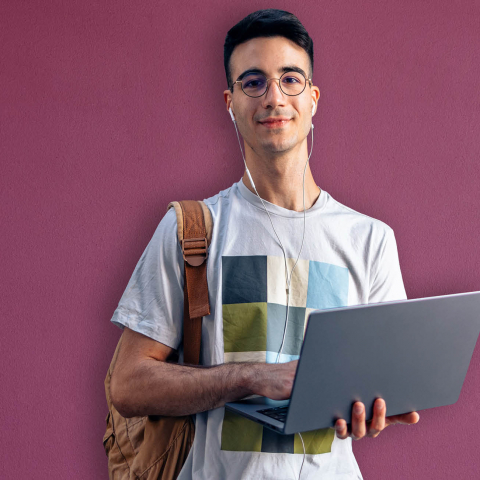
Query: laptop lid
412,353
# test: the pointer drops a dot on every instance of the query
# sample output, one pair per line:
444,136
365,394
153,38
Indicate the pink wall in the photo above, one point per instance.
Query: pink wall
109,110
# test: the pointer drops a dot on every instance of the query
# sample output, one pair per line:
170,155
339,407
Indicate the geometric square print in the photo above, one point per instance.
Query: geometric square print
277,443
239,434
254,308
244,279
250,357
276,281
245,327
316,441
276,326
327,286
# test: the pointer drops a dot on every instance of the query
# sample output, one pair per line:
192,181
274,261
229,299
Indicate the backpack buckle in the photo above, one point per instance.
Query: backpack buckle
194,250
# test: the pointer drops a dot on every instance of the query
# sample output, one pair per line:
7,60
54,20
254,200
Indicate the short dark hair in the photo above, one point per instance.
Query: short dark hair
266,23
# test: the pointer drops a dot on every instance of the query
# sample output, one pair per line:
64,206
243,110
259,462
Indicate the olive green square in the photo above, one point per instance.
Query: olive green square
316,441
239,434
245,327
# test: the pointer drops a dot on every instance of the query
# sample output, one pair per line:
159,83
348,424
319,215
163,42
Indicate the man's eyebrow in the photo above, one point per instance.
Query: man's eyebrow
286,68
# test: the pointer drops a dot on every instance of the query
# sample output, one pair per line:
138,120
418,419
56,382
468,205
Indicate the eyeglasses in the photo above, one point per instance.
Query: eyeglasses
256,84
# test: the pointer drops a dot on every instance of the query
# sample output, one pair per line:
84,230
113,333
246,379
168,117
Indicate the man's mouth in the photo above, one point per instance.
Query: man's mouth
275,123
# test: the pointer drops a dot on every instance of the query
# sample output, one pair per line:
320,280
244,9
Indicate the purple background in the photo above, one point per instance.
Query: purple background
111,109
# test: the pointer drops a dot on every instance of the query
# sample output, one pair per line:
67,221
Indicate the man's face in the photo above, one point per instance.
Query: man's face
271,55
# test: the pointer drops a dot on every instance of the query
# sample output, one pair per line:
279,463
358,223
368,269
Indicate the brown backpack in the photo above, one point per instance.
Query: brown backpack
156,447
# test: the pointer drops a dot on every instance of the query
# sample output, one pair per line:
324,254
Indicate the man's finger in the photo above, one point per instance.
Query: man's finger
359,428
378,421
341,429
405,419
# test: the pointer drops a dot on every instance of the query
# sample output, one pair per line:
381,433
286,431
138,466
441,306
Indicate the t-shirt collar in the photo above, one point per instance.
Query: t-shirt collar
252,198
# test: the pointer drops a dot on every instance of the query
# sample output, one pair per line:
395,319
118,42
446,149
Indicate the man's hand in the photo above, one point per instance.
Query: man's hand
359,428
275,380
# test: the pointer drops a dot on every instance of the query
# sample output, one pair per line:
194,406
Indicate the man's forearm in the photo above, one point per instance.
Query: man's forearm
160,388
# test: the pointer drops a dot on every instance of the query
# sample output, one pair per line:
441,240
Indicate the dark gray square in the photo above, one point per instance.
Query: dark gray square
244,279
276,442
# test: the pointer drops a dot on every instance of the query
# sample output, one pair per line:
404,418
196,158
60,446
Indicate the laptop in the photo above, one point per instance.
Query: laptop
412,353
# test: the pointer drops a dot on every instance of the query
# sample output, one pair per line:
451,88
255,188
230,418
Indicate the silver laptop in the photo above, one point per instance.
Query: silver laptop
412,353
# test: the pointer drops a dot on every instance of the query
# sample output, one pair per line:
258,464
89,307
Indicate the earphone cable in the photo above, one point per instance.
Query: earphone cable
288,278
270,218
303,445
301,247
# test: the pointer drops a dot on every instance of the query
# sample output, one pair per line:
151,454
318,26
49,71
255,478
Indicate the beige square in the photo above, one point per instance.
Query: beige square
255,357
276,281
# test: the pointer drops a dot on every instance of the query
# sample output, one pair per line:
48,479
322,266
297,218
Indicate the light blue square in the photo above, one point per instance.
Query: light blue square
327,286
271,357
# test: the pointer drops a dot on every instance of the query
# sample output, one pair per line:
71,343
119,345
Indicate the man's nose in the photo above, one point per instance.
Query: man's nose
274,95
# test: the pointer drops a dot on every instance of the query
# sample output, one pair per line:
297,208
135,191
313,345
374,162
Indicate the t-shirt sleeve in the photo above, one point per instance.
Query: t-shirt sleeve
387,282
152,303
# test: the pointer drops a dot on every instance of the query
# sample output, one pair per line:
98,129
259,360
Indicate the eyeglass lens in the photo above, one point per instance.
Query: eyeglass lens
291,83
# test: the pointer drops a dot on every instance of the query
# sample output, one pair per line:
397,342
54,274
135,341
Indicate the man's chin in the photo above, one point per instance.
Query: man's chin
278,146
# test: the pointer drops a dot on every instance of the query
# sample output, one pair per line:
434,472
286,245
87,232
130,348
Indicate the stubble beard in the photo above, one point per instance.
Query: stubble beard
278,142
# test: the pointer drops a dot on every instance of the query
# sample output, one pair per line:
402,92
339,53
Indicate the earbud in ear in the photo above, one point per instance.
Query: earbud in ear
231,114
313,108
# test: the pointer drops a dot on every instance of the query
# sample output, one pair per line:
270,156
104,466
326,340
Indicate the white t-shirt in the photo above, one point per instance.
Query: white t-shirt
347,259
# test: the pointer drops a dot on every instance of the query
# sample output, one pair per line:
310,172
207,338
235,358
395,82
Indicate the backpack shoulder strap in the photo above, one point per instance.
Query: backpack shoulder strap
194,230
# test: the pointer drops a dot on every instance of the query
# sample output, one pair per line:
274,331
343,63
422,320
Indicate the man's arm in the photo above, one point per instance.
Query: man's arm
143,383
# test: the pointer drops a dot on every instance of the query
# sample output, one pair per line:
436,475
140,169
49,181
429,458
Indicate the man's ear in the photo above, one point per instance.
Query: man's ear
227,96
315,98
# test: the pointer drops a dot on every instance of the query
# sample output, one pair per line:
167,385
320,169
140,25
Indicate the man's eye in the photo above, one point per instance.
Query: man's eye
253,84
291,80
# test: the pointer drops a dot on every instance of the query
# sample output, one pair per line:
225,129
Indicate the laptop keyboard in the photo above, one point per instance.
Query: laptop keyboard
277,413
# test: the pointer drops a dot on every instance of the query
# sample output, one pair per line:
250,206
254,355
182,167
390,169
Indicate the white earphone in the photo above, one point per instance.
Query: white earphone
288,277
246,168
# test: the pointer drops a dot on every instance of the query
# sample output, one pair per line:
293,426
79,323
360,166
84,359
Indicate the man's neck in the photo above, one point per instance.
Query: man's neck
279,180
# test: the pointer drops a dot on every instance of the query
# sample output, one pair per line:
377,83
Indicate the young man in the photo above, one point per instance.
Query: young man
278,240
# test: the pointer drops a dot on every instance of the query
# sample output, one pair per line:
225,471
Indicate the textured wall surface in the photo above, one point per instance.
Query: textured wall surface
109,110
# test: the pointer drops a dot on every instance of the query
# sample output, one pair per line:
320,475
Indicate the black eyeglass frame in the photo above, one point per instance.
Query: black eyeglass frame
279,84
